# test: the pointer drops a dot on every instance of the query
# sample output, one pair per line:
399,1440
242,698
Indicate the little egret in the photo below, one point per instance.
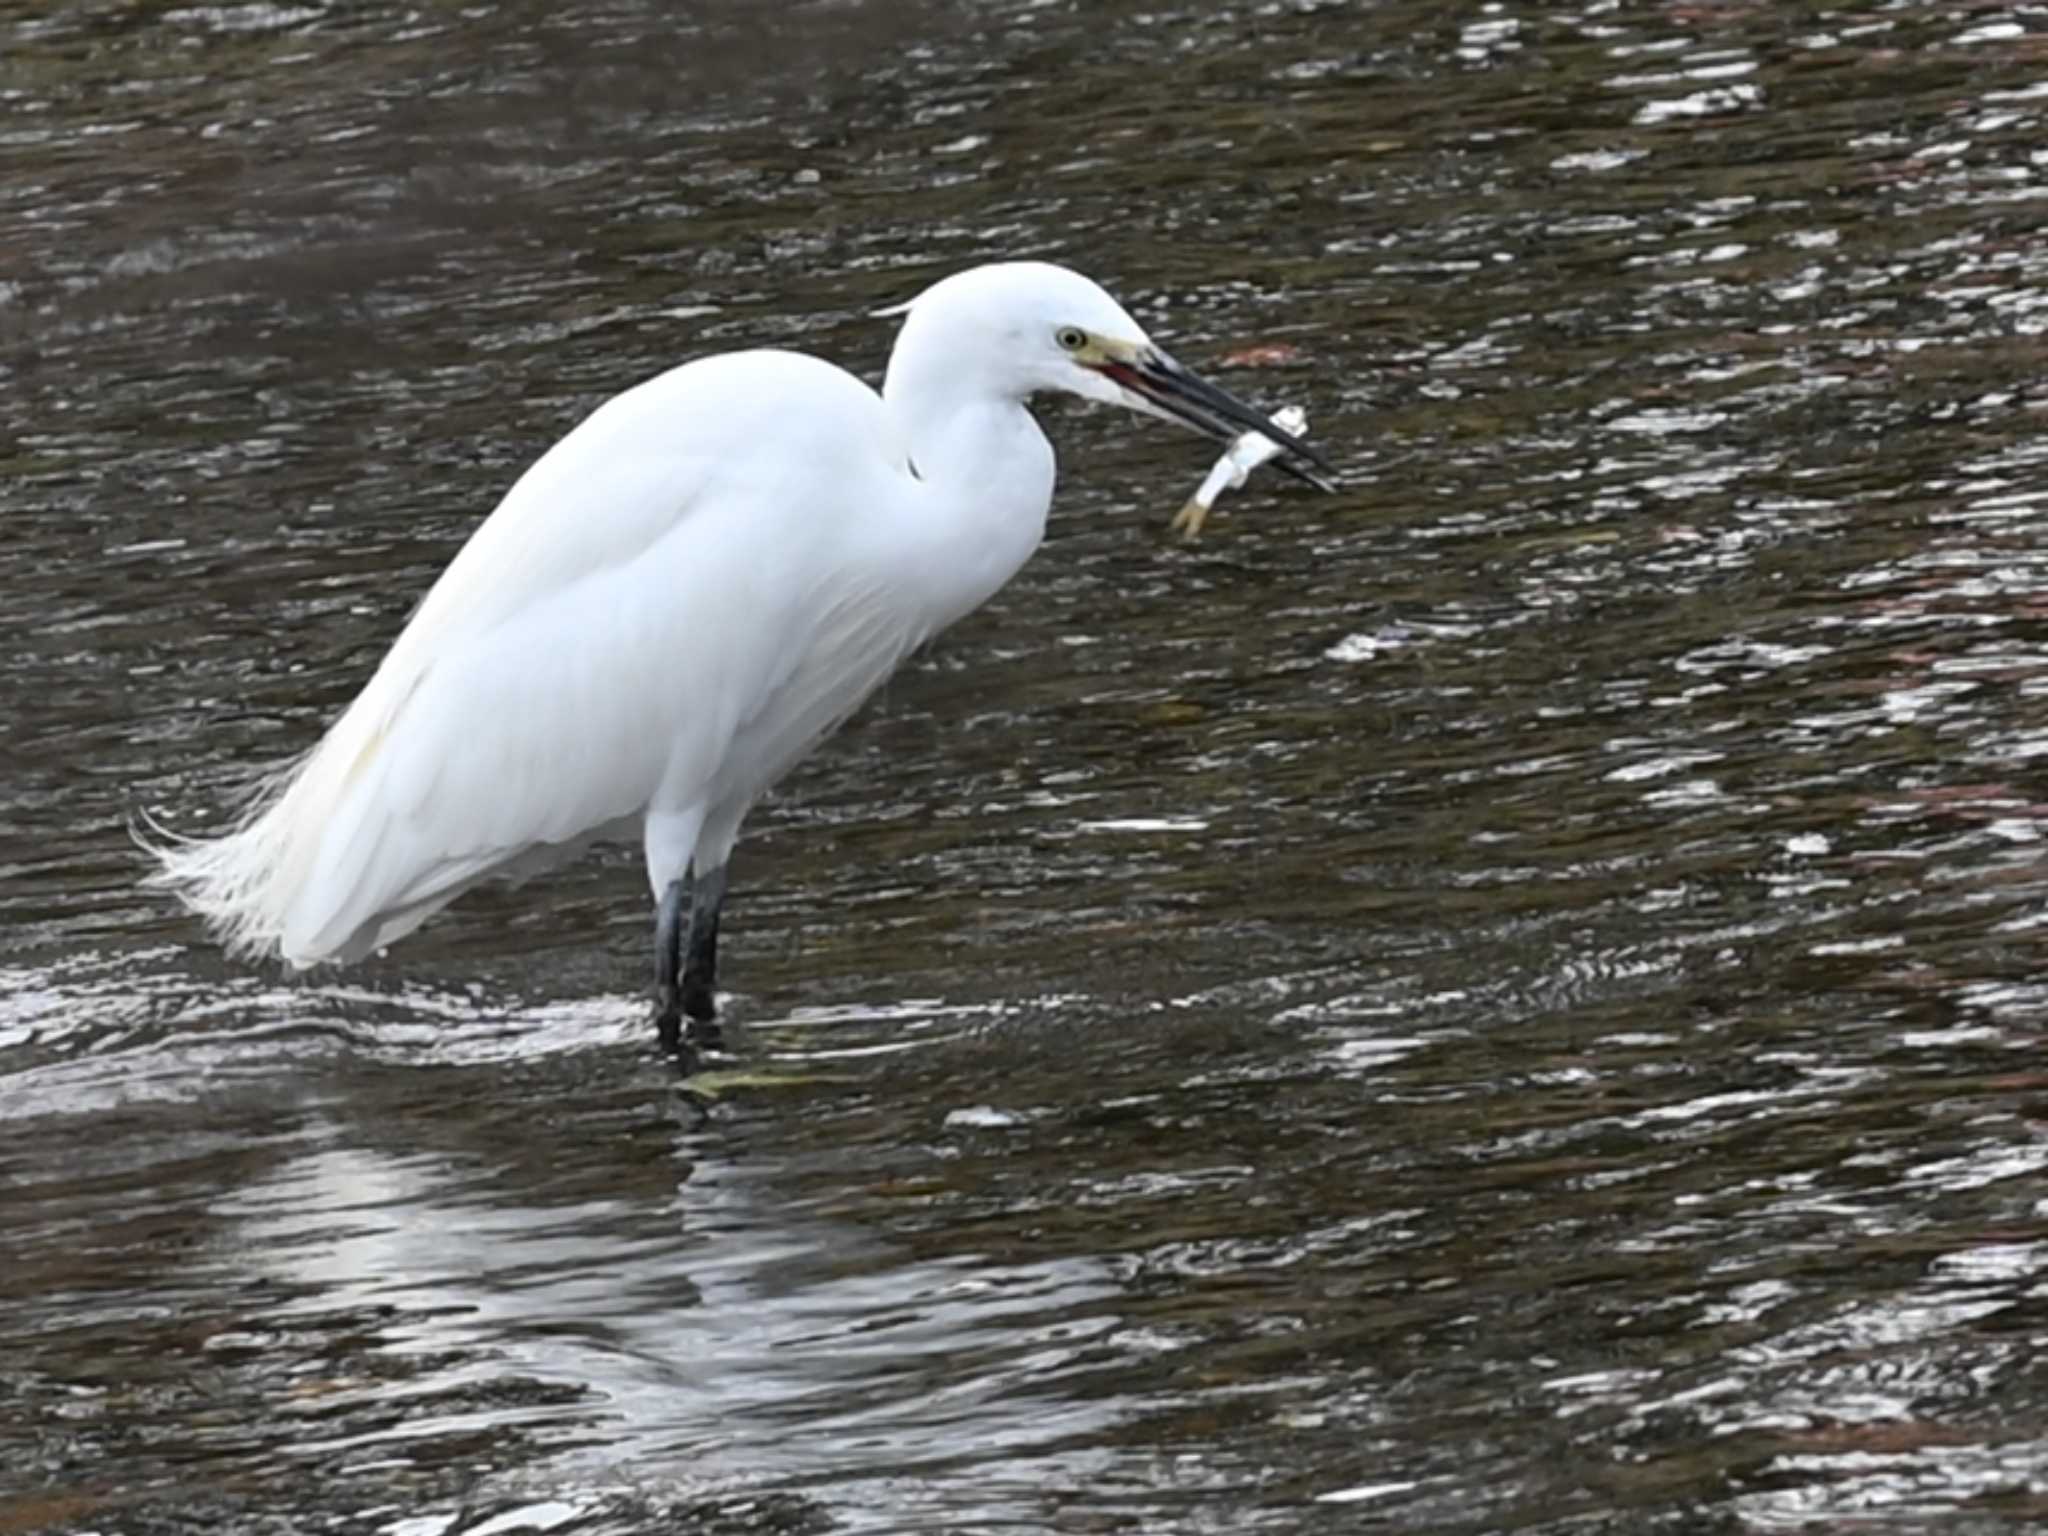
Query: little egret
668,611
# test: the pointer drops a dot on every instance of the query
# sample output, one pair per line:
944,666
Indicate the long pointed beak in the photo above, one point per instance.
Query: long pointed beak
1163,386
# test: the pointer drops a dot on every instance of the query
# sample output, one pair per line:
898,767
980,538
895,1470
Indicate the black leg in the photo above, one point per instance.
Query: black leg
668,963
700,968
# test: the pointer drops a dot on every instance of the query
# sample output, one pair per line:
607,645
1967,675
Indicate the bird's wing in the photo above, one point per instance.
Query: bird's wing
625,606
606,704
669,679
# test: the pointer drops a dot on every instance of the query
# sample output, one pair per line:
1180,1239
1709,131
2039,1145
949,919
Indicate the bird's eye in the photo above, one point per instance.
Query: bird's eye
1072,338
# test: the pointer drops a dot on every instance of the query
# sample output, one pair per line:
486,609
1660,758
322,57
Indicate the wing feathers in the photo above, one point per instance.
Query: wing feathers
627,618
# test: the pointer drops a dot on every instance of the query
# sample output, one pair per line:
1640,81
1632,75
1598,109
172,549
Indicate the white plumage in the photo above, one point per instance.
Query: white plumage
671,607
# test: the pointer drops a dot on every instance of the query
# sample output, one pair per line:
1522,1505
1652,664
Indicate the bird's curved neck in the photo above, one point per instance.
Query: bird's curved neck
987,470
959,423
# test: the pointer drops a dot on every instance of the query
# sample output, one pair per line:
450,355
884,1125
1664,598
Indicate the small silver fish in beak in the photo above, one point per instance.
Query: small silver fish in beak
1244,455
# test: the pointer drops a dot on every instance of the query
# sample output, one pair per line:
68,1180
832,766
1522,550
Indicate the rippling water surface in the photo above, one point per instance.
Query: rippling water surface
1509,998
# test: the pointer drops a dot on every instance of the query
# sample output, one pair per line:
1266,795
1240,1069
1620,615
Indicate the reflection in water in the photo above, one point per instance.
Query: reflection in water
712,1342
1501,1000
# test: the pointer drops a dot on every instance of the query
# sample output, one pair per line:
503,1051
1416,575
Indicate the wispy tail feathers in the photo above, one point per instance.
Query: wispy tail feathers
233,881
264,887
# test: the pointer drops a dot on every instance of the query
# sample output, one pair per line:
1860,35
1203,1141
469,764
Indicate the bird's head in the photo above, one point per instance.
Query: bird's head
1041,328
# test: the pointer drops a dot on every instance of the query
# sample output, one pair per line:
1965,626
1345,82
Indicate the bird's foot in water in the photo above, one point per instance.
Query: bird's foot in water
686,1039
695,1049
668,1027
699,1002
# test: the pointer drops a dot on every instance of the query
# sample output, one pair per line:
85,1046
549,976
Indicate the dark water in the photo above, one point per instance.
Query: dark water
1509,998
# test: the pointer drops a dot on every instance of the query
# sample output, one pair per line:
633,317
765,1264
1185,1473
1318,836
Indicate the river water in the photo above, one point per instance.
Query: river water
1507,998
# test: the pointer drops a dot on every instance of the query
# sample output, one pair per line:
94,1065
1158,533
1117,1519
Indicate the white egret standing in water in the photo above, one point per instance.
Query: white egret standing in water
669,610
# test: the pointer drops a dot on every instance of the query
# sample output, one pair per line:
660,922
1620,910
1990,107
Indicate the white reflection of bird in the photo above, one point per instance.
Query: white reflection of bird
669,610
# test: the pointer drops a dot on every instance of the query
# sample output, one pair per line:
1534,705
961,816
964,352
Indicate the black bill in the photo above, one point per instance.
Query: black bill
1193,401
